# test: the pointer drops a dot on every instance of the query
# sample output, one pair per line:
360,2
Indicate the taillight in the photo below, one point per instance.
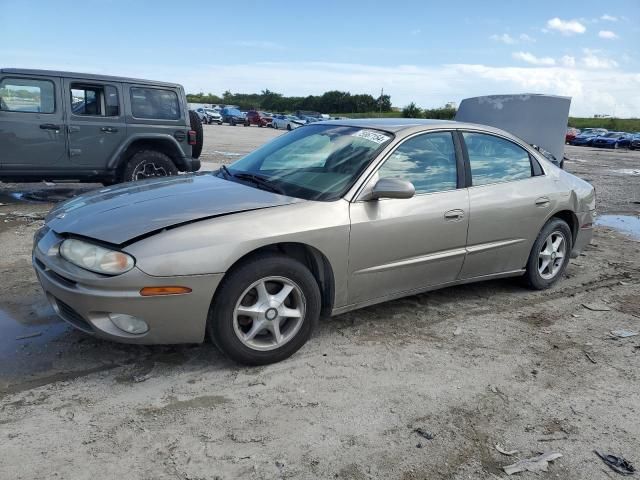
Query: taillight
192,137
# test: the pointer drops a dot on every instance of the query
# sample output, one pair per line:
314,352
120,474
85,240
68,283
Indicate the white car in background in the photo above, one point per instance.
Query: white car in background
213,116
286,122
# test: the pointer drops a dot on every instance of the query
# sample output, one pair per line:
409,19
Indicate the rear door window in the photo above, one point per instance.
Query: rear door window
495,160
27,95
154,103
94,100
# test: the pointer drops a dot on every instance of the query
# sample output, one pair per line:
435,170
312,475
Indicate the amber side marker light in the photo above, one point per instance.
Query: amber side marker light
157,291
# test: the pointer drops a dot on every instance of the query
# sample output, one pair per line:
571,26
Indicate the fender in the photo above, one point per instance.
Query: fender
116,159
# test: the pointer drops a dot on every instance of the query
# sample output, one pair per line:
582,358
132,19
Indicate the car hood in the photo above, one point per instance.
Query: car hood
539,120
121,213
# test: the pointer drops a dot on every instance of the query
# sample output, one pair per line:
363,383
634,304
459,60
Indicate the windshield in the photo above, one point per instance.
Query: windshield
315,162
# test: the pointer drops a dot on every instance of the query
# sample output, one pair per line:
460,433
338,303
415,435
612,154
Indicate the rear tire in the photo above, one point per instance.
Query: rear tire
240,292
148,164
196,126
288,127
549,255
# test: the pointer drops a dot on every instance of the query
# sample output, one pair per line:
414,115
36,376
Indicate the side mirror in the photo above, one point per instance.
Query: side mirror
390,188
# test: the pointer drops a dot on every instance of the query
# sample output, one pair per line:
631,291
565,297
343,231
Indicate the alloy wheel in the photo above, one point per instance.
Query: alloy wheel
552,255
269,313
148,170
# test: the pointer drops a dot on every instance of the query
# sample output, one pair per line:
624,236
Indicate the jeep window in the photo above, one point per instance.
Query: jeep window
154,103
94,100
27,95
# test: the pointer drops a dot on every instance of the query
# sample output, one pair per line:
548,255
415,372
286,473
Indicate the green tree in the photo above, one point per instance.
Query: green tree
411,111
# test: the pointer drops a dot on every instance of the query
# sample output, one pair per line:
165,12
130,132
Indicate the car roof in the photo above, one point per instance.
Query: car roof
85,76
390,124
395,125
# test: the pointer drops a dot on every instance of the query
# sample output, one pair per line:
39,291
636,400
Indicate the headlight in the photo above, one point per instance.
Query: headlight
95,258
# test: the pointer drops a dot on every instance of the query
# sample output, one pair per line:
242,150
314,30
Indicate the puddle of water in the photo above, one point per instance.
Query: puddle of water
23,340
43,195
628,171
627,224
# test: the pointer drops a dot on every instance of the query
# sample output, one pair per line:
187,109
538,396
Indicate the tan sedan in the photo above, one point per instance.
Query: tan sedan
327,218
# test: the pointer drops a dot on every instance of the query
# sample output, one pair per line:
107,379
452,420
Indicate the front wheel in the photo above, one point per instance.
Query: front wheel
288,127
264,310
549,256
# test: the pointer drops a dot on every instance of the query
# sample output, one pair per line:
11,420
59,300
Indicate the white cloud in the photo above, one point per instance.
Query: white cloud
509,40
568,61
607,34
566,27
504,38
592,60
415,32
608,18
532,59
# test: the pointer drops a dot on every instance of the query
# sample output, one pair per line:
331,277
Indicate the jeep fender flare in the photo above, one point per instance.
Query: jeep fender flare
169,145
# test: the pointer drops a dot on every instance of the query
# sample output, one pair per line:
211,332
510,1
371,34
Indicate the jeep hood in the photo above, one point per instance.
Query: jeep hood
539,120
121,213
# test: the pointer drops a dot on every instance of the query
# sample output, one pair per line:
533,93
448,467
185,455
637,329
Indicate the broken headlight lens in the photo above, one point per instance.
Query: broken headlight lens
96,258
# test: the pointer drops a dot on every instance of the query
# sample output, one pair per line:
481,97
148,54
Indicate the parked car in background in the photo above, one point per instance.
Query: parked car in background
261,119
233,116
213,116
584,139
94,128
611,140
634,144
286,122
571,134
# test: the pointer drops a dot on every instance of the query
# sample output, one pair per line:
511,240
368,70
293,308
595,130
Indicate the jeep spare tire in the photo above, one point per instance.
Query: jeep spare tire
149,164
196,126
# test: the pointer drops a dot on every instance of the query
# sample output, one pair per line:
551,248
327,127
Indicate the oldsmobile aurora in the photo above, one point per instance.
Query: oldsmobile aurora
327,218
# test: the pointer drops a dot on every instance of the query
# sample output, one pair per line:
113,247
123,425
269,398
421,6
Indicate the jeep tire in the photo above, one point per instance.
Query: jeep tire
148,164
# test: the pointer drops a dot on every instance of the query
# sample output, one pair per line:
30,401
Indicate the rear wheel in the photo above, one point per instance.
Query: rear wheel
264,310
148,164
289,126
549,256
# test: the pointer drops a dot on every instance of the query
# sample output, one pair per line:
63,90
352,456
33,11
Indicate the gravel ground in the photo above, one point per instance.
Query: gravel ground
474,366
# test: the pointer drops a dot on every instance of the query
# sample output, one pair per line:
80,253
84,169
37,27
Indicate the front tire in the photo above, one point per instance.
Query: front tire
549,256
264,310
148,164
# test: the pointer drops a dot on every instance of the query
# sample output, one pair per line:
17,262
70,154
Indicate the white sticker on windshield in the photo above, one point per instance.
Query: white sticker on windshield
372,135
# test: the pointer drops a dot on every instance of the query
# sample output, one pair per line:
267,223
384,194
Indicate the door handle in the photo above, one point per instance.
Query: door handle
542,202
73,129
109,130
49,126
453,215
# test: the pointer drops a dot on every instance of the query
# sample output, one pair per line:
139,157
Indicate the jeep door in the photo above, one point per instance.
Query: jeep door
96,125
402,245
32,135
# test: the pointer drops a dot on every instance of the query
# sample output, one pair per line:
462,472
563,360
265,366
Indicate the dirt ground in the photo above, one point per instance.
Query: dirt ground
474,366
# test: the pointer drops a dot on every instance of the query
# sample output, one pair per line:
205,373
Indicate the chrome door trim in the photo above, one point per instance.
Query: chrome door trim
456,252
481,247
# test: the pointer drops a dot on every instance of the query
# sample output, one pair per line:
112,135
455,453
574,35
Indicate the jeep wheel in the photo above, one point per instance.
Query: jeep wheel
148,164
196,126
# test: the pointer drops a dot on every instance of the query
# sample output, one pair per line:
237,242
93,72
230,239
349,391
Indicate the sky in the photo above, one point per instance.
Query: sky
424,51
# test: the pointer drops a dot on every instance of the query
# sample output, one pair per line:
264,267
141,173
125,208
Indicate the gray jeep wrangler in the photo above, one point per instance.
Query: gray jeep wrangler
93,128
